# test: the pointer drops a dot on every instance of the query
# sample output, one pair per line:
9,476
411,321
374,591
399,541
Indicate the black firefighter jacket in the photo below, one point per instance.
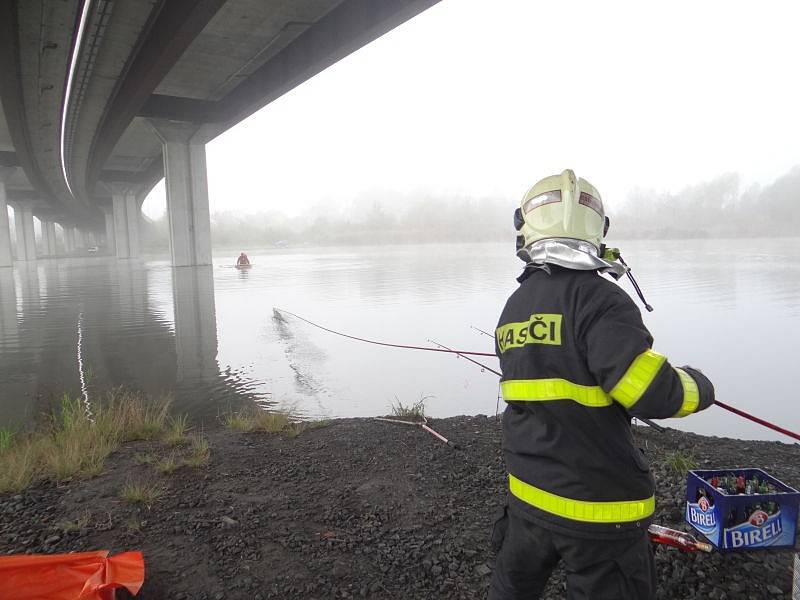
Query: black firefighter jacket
577,363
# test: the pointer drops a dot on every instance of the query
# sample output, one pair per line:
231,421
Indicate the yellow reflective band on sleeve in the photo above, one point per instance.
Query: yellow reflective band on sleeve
637,378
691,395
581,510
541,390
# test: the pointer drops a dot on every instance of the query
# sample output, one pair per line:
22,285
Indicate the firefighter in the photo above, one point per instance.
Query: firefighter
577,364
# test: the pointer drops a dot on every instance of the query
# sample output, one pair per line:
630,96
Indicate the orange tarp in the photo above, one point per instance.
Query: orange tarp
81,576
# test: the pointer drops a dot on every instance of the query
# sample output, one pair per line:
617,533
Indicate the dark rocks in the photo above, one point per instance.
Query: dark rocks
360,509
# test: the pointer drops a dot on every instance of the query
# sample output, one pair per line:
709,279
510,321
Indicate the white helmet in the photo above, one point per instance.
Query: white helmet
561,206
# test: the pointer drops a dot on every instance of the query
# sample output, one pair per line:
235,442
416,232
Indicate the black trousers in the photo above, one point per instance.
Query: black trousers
596,569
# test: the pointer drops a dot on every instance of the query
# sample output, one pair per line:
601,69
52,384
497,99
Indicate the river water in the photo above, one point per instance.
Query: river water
209,337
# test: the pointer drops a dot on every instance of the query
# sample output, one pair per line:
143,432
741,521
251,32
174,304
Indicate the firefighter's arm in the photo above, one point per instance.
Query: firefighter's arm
619,354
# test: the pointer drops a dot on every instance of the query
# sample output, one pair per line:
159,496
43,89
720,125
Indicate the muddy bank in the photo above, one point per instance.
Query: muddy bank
357,509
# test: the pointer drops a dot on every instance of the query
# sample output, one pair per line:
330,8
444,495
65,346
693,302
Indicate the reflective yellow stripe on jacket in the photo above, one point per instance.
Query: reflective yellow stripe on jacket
691,395
635,381
538,390
581,510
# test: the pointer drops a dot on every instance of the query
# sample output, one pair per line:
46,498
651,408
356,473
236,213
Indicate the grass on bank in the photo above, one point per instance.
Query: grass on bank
141,492
415,411
680,462
177,431
77,525
6,438
77,439
168,465
134,525
197,453
253,419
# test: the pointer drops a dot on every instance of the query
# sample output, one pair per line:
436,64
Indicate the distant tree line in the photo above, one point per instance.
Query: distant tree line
386,219
715,208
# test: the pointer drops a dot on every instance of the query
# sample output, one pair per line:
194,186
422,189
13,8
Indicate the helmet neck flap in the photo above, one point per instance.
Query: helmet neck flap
570,254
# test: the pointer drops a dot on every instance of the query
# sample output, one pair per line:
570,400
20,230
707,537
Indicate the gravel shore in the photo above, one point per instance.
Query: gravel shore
357,509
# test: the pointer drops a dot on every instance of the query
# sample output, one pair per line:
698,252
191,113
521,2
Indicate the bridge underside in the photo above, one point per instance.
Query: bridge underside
99,100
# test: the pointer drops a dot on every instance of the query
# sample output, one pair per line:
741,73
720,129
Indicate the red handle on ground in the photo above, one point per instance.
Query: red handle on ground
80,576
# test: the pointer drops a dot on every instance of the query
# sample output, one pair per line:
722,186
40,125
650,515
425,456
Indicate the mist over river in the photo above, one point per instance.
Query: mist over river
208,335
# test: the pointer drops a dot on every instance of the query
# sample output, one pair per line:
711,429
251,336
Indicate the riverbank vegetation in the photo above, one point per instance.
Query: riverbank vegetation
252,419
75,440
414,411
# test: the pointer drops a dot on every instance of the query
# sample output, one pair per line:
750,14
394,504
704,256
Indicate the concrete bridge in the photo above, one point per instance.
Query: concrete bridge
100,99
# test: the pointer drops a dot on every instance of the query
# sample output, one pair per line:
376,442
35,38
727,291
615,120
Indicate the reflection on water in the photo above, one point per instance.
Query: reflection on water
208,335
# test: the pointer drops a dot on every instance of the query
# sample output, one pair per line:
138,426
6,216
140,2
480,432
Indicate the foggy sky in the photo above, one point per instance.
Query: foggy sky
484,98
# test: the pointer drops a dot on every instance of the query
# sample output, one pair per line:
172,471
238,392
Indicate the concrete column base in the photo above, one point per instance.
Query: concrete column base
80,239
126,223
184,149
6,255
111,245
49,238
195,323
69,239
26,236
132,216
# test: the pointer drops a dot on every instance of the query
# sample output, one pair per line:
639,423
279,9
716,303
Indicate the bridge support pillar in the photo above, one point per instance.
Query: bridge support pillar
69,238
126,222
6,256
48,237
184,149
111,245
26,236
80,240
195,324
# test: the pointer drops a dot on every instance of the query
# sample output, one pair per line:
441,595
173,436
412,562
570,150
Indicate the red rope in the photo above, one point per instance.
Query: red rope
463,353
758,420
353,337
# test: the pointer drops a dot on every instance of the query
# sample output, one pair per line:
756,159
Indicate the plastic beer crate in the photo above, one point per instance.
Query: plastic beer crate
736,522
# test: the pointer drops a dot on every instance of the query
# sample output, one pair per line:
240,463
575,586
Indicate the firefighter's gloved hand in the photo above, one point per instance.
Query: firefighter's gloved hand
704,387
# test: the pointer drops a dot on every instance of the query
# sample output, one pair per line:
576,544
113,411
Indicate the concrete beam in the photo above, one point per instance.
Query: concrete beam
179,109
162,44
6,255
342,31
184,150
13,100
